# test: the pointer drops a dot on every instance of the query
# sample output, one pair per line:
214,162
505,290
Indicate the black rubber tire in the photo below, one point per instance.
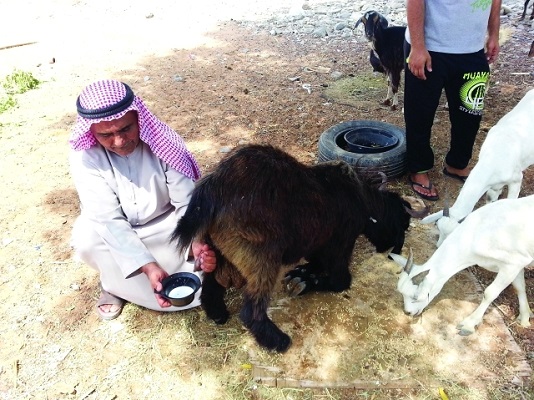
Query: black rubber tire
391,162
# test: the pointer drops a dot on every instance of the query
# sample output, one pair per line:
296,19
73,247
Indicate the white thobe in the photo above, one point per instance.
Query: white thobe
130,206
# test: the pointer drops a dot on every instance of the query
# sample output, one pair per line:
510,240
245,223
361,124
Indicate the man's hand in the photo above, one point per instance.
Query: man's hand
155,275
204,257
419,61
492,50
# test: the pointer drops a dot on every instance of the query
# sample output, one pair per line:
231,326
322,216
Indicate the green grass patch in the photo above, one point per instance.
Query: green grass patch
365,89
7,102
17,82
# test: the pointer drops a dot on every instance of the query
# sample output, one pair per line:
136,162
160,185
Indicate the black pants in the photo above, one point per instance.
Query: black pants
464,78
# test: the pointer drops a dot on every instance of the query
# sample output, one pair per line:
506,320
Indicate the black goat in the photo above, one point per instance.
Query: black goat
261,209
387,43
525,11
375,62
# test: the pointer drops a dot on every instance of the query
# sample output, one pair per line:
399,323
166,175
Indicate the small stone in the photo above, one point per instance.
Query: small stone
336,75
320,32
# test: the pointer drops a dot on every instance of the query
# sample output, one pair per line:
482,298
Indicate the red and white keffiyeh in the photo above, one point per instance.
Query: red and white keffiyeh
107,100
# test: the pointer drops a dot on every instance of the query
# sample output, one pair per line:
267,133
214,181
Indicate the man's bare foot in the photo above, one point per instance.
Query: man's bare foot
109,306
455,173
421,185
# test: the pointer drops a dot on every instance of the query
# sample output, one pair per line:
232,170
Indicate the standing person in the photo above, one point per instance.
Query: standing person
444,49
134,177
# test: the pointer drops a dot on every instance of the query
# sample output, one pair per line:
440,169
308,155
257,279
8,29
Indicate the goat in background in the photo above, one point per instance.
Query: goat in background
387,46
498,237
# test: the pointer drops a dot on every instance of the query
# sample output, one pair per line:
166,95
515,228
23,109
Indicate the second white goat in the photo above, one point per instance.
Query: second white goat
506,152
498,237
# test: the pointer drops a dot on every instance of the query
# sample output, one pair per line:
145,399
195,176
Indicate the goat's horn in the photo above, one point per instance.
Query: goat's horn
409,262
418,214
446,204
358,23
384,182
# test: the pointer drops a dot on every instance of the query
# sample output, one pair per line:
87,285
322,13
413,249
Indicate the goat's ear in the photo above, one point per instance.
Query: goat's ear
417,279
400,260
432,217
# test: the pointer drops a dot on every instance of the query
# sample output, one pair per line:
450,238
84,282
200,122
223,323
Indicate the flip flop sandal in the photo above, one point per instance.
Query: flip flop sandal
454,176
422,195
107,298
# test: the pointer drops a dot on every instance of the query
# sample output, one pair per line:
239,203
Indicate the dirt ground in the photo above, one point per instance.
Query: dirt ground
220,80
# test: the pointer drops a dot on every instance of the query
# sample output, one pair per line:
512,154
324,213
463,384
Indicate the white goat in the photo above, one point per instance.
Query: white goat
506,152
498,237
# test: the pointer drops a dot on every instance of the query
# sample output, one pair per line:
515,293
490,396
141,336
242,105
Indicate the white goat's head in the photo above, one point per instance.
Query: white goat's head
414,286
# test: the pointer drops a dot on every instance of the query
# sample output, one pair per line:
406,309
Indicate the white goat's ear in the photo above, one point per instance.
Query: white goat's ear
406,264
398,259
432,217
417,279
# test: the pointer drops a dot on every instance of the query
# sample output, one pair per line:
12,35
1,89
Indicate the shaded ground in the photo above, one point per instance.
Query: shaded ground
218,89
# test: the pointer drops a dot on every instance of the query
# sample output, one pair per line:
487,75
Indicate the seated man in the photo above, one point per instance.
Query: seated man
134,177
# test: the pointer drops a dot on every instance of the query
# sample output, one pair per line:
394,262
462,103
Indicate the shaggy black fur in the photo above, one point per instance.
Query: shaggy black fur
261,209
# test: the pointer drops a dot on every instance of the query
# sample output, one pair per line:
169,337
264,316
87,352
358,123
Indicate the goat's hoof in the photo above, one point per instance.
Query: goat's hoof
301,280
283,345
280,344
463,331
221,321
386,102
295,287
219,318
297,273
266,333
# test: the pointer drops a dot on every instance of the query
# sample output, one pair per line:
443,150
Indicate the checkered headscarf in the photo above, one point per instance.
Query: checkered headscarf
107,100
